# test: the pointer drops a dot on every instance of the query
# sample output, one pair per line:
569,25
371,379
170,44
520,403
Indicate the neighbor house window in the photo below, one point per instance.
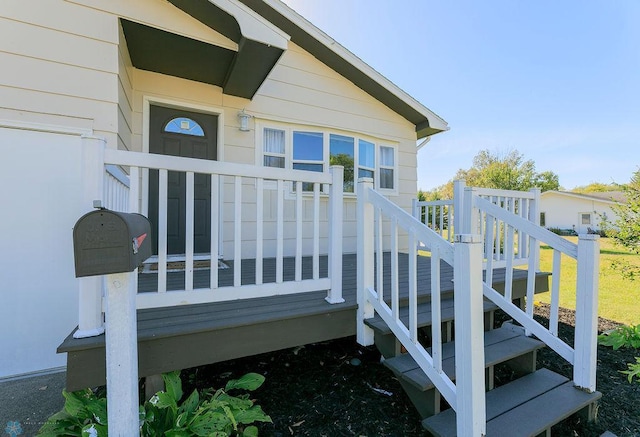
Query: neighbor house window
543,219
585,218
274,148
387,167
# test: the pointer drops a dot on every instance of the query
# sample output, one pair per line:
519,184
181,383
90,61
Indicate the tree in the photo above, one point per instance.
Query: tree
510,171
598,187
626,230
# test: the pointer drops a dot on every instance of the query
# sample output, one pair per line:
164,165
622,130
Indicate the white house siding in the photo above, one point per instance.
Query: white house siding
562,210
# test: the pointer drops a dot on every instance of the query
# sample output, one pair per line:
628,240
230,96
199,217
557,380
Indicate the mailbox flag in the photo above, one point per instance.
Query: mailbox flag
137,242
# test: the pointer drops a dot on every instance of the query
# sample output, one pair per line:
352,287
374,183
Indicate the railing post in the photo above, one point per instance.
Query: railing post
534,216
365,264
121,352
470,224
586,345
469,326
458,206
336,221
414,209
90,320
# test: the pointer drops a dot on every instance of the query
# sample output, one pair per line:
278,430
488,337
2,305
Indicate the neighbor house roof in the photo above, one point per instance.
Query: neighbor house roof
611,197
262,30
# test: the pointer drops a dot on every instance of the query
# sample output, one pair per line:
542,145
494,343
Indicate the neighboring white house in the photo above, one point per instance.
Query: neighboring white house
578,212
173,77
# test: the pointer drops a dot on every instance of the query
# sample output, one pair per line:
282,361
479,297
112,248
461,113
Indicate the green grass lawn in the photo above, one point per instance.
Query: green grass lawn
619,298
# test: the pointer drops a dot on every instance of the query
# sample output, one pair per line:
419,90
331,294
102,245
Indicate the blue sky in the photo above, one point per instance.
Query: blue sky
557,80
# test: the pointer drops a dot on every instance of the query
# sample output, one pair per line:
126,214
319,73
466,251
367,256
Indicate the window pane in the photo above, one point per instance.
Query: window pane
543,219
307,167
362,173
274,141
586,219
366,151
386,178
386,156
274,161
185,126
307,146
342,149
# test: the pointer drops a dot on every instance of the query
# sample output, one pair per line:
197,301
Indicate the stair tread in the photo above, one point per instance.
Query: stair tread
424,315
524,407
501,344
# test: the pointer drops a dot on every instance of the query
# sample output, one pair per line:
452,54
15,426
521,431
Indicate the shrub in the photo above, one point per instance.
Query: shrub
200,414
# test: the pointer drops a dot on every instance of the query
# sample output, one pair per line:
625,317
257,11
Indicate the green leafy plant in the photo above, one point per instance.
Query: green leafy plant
634,371
207,413
84,414
210,413
622,336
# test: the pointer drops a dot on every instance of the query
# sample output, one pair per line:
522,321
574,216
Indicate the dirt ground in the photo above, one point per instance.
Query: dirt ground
339,388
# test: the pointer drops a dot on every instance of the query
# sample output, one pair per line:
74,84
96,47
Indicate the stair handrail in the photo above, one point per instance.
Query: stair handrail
466,396
583,353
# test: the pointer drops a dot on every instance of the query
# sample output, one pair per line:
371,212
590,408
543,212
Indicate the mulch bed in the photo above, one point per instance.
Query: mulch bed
339,388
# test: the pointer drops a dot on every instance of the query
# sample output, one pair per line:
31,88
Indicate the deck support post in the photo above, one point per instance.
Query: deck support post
469,317
121,351
90,321
365,263
586,343
335,234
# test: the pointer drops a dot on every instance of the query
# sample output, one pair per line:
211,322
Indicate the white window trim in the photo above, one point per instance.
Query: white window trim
326,132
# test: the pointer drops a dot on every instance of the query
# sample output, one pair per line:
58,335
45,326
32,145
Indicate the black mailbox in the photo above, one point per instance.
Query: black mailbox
107,241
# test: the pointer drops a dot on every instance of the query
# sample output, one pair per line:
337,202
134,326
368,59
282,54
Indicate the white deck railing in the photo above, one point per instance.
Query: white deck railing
466,396
479,216
248,194
443,216
582,354
116,189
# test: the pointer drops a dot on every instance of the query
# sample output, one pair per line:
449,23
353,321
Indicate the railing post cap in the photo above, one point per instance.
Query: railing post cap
365,180
336,166
468,238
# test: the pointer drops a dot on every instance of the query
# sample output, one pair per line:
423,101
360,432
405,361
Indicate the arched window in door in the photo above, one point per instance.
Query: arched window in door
185,126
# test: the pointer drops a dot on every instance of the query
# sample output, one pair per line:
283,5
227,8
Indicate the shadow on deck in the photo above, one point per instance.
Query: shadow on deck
185,336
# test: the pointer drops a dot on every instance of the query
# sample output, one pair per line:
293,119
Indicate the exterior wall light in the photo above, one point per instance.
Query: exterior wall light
244,121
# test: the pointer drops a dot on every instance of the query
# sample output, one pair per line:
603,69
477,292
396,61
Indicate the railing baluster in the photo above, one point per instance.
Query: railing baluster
259,229
163,178
189,234
489,237
436,325
508,285
215,229
298,263
134,190
413,287
237,232
279,231
379,254
555,292
395,295
316,231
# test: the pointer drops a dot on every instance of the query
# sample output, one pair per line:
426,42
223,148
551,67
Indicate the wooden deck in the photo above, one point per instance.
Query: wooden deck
192,335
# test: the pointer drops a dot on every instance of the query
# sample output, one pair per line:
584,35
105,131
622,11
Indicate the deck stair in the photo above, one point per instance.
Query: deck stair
471,394
527,406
